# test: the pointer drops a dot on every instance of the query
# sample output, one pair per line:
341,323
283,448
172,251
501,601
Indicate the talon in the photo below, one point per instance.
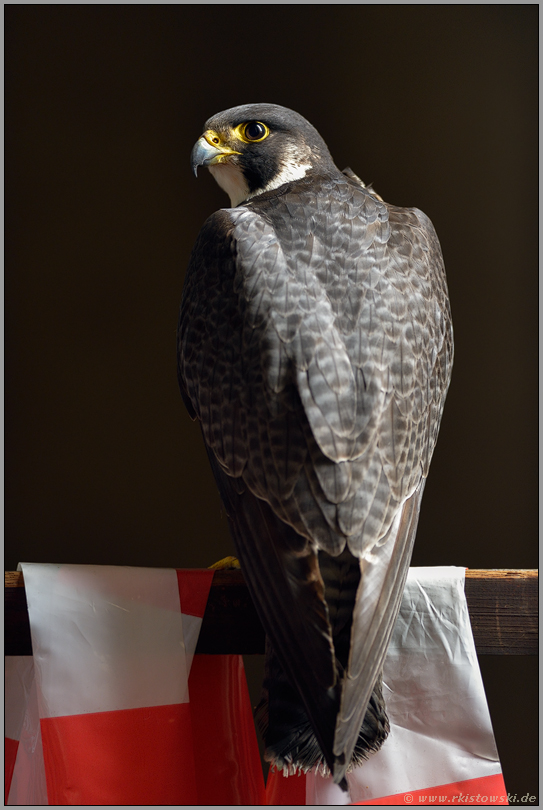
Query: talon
226,564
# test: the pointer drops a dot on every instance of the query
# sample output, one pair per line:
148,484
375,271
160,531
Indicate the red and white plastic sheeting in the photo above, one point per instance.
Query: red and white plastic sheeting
114,708
441,747
119,710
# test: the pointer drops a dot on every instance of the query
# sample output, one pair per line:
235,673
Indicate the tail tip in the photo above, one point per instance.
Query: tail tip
339,770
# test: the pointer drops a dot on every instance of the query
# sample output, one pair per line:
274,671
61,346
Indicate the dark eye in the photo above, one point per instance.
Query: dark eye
255,131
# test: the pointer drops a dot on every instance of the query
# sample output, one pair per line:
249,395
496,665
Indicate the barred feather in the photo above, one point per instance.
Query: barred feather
315,348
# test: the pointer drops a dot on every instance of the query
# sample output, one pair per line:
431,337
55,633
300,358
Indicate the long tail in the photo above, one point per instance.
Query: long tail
291,744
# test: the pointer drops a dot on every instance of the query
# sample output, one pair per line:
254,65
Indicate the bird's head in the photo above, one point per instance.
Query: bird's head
259,147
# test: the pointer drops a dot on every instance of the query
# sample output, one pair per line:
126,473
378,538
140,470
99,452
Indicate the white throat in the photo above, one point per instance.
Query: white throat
230,178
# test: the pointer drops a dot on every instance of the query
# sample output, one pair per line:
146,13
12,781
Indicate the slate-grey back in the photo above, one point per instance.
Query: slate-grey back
318,365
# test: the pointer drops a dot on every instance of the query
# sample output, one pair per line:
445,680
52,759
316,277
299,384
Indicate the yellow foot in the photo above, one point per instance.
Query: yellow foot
226,563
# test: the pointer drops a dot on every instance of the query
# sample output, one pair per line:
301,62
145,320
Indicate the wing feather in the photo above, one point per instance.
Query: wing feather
315,348
283,577
383,575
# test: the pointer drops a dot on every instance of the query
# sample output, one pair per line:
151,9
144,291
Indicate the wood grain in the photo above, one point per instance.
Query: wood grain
502,605
503,608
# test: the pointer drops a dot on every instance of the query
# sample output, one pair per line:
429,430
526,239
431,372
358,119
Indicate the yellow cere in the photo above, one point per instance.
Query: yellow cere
215,140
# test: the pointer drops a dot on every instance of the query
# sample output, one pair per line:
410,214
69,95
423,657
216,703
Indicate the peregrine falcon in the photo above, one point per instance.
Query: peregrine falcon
315,349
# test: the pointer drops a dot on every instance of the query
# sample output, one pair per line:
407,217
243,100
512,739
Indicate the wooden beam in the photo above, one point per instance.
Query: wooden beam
503,608
502,605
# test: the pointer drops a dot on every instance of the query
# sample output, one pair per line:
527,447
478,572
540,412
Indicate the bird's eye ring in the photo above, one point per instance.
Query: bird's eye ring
253,131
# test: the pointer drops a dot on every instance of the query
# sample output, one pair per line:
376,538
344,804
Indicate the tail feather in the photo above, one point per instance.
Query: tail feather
291,744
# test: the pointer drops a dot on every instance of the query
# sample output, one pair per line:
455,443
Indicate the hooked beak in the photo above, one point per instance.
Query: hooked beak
206,153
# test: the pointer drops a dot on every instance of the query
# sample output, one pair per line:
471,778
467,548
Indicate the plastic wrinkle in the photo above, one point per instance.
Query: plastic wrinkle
440,725
117,606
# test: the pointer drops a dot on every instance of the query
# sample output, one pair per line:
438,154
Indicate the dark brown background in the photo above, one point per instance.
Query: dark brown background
436,105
